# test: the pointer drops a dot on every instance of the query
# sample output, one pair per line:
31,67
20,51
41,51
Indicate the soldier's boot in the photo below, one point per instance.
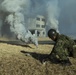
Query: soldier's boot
66,62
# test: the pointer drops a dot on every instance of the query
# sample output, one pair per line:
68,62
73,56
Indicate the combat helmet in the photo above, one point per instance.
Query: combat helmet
52,33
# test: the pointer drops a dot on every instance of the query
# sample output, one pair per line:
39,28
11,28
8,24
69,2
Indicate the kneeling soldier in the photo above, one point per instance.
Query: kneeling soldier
62,49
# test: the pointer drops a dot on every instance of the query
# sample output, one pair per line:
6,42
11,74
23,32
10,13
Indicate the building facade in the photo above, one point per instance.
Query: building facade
38,24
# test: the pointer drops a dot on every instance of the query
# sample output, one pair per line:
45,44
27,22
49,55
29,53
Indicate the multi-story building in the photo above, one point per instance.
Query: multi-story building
38,24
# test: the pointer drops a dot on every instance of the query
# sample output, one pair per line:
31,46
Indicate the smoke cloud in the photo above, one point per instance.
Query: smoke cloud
14,18
15,14
53,14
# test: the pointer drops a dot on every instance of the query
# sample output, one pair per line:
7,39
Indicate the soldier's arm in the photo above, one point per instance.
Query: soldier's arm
59,48
59,45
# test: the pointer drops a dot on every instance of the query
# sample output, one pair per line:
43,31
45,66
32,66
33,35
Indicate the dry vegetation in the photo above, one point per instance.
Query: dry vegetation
14,61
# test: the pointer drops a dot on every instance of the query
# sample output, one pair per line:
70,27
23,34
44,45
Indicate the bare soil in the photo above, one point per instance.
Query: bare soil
15,60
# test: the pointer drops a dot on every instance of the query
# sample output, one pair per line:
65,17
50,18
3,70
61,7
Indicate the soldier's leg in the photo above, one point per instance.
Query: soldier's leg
53,58
63,55
70,51
74,51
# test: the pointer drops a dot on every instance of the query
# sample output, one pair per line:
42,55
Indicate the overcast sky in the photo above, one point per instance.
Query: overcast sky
67,17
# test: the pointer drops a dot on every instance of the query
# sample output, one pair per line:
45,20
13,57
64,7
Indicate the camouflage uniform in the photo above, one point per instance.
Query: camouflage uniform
62,48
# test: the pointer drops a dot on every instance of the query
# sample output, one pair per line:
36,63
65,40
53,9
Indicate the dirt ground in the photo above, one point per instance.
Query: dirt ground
15,60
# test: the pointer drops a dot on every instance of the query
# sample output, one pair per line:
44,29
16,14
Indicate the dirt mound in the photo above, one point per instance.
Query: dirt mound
14,60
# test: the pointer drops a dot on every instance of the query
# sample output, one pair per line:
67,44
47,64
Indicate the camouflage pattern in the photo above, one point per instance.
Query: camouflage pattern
74,51
62,48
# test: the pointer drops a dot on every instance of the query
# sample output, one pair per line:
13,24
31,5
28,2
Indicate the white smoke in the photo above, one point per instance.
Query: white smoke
15,18
53,14
14,5
16,13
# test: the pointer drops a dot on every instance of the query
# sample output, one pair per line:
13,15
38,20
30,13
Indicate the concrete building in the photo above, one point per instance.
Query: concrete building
38,24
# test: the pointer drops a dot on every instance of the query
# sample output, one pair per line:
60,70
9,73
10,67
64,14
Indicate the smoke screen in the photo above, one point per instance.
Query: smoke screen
14,15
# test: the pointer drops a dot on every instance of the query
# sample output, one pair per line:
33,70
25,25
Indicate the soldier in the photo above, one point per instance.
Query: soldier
62,49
